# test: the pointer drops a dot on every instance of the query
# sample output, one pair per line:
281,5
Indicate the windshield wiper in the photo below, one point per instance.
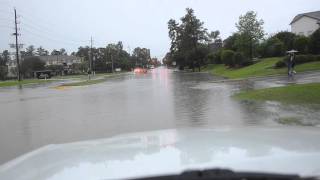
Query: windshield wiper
223,174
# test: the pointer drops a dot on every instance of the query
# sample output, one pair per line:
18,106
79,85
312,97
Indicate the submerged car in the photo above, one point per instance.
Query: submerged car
238,153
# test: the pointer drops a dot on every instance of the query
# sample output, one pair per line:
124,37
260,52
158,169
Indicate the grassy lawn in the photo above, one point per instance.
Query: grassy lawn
295,94
23,82
263,68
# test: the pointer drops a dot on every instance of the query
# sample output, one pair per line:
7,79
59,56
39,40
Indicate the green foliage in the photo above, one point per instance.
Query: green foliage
3,72
227,57
31,64
4,58
239,59
287,38
229,43
314,46
272,47
30,51
251,31
187,39
42,52
301,44
298,94
280,64
141,55
214,58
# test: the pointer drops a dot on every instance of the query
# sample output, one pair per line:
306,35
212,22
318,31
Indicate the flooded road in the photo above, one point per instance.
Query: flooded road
32,117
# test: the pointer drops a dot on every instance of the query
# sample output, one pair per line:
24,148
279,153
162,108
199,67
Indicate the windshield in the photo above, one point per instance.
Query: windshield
73,71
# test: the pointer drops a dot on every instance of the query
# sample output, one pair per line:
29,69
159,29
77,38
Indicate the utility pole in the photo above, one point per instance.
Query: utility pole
17,45
112,63
90,66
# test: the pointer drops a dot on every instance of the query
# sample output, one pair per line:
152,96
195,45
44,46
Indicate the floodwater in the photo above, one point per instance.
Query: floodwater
34,116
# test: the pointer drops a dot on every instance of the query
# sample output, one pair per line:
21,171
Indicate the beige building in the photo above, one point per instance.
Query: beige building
60,60
306,23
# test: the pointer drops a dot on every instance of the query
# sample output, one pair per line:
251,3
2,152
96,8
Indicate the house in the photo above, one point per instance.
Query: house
306,23
60,60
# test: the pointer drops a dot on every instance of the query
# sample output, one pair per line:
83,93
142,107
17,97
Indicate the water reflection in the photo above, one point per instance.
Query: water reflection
173,151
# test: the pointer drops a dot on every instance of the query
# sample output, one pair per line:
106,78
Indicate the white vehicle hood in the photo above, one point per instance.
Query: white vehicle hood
276,150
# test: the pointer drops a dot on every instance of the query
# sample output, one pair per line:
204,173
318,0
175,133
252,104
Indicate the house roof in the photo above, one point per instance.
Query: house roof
314,15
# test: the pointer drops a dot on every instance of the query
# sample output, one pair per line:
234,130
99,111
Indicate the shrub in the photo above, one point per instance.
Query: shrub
280,64
238,59
287,38
272,47
299,59
301,44
227,57
31,64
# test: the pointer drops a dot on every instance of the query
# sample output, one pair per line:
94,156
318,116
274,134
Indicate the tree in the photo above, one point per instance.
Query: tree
63,51
251,30
238,59
55,52
287,38
4,58
30,51
186,39
229,43
141,56
227,57
272,47
315,42
42,52
301,44
31,64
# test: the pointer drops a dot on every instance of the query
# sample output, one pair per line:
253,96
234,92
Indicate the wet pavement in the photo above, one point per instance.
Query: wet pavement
34,116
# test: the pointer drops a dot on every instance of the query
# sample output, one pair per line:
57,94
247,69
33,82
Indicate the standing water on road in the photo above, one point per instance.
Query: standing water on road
32,117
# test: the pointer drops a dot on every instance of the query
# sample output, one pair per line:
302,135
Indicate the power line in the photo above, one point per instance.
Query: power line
47,37
45,33
42,26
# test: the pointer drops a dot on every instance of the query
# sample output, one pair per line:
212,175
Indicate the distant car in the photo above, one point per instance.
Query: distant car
43,76
152,67
139,70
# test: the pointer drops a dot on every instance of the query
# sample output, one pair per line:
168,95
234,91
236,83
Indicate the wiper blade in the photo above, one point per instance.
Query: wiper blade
223,174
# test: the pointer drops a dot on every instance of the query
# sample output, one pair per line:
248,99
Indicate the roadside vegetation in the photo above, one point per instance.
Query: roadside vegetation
247,52
265,67
294,94
9,83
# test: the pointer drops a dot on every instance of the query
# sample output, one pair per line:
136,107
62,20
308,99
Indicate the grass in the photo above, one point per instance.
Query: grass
293,94
85,83
263,68
98,78
23,82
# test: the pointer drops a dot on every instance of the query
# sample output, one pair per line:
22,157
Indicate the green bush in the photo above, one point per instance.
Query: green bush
299,59
239,59
314,45
287,38
227,57
31,64
280,64
301,44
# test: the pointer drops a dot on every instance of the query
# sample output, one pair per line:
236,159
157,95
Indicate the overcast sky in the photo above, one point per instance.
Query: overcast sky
70,23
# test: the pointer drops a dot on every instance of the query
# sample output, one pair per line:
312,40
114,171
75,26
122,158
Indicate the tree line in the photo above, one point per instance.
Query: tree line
102,59
192,45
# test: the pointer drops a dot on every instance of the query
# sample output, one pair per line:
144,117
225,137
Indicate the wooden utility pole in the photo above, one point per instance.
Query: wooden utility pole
17,45
90,66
